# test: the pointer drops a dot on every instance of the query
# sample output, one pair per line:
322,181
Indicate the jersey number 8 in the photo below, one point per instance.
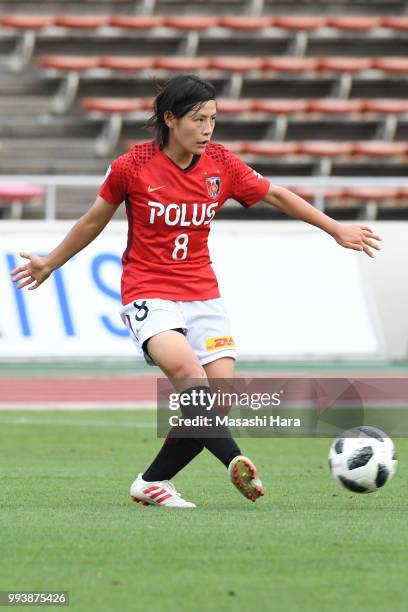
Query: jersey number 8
180,247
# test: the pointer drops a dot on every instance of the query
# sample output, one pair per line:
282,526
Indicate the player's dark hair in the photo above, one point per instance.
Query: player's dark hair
180,95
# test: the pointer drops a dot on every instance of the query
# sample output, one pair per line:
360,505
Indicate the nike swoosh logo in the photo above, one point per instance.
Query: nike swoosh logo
151,189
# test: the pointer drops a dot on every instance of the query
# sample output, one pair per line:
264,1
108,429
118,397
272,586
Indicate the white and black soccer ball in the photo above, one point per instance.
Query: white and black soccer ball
363,459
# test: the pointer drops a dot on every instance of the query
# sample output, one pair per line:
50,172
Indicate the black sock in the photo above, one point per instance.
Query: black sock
177,452
173,456
216,438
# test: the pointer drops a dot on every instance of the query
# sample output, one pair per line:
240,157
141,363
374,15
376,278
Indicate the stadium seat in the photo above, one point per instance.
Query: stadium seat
82,22
299,22
182,64
335,107
379,148
402,196
318,197
271,148
71,66
398,65
399,22
232,106
112,105
354,23
23,52
113,109
391,108
325,148
245,22
281,108
235,64
136,22
289,64
193,22
345,64
386,105
125,63
13,195
238,66
235,146
372,197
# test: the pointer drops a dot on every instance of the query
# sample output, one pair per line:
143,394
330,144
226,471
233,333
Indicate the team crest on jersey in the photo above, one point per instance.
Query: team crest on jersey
213,186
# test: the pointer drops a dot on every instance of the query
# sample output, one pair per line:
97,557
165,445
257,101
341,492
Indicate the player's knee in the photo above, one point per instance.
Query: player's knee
188,371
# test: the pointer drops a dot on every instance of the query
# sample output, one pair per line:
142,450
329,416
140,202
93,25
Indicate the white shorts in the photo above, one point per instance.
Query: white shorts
204,323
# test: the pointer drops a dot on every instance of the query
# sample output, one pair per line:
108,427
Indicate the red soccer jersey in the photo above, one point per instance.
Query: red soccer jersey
169,213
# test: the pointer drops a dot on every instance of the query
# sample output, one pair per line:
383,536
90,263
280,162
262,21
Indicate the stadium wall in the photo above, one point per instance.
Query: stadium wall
290,290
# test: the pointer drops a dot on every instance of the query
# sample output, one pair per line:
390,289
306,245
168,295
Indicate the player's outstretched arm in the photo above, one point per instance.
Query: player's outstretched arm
357,237
86,229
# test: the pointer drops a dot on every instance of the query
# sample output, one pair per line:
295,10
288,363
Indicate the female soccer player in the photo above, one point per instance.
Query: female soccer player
173,186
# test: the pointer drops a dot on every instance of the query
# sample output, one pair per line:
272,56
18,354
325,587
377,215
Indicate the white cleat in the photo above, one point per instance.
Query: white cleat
160,493
244,476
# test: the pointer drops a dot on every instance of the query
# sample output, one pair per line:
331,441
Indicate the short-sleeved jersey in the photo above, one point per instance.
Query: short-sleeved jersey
169,213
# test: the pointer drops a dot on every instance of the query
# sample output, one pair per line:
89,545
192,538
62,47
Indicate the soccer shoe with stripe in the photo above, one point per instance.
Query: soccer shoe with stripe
160,493
244,476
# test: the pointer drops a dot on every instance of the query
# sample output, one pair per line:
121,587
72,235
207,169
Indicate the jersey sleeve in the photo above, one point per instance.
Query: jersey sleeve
114,187
247,186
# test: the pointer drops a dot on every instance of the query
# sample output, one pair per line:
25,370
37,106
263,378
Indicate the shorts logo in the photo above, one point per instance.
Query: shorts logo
213,186
213,344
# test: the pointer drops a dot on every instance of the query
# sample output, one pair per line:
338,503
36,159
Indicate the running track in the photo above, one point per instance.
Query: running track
78,392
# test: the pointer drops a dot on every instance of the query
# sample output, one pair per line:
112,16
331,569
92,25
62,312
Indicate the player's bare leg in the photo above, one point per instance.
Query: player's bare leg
171,351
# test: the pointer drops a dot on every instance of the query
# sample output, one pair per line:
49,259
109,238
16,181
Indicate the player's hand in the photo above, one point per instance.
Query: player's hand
357,237
33,273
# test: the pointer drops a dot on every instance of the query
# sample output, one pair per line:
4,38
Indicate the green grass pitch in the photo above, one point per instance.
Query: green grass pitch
67,523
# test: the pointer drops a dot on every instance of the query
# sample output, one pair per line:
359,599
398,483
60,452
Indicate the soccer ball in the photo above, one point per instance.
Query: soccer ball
363,459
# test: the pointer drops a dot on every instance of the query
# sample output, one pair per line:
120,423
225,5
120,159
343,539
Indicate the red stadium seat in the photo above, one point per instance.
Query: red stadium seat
181,63
72,66
402,195
335,107
82,22
14,194
309,193
399,22
280,107
23,52
325,148
270,148
235,64
111,105
68,63
128,64
297,22
386,106
147,104
114,109
235,146
370,194
345,64
230,107
379,148
191,23
137,22
398,65
356,23
27,22
289,64
245,22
